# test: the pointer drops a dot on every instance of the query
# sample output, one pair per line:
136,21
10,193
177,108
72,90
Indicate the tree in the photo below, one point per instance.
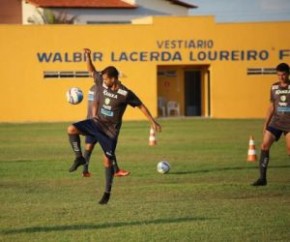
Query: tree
47,16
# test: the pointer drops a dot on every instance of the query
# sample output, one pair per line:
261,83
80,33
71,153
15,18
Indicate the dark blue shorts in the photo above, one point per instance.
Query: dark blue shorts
91,140
91,129
276,132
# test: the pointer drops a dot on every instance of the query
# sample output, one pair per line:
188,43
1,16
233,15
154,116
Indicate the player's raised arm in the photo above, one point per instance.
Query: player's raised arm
90,65
156,126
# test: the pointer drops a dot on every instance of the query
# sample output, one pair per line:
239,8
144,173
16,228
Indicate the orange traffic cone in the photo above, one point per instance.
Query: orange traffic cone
152,137
252,154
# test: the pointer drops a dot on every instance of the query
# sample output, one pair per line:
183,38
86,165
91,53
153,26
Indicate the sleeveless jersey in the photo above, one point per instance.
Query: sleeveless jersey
280,97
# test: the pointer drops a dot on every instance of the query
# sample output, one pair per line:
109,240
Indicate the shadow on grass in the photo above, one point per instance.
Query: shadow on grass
37,229
17,161
225,169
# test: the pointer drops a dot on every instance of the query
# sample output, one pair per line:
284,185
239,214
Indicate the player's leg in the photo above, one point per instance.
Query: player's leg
118,171
89,147
108,145
74,139
109,175
269,138
287,138
74,131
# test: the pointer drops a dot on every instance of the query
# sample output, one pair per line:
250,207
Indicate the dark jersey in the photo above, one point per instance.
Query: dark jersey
280,97
112,105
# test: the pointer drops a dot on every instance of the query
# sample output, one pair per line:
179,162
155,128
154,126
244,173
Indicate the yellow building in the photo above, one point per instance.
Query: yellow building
208,69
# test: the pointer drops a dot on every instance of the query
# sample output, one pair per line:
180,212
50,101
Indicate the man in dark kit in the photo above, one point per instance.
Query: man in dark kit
110,105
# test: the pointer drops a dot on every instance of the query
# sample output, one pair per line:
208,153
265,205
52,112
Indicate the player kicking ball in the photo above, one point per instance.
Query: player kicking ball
108,109
90,141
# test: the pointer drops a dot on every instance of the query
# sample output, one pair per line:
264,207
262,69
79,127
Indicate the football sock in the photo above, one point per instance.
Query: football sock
77,162
75,142
109,173
115,165
264,161
105,198
87,156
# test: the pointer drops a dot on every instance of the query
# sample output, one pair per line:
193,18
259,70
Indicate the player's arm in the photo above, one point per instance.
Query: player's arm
94,109
156,126
90,66
269,115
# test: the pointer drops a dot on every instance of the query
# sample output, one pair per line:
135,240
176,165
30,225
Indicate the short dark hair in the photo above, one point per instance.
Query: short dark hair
111,71
283,67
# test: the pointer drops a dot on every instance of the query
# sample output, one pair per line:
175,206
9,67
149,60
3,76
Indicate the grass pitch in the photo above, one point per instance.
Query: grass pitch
206,196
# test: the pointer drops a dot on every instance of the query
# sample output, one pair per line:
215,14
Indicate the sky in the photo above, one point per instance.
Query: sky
243,10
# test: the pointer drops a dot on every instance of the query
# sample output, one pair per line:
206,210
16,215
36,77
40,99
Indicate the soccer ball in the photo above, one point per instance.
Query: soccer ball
74,95
163,167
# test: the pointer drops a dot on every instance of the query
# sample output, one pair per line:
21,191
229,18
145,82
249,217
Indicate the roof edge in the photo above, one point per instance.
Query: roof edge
80,4
182,3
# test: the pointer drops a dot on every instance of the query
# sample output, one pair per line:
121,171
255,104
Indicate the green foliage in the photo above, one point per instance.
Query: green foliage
46,16
206,197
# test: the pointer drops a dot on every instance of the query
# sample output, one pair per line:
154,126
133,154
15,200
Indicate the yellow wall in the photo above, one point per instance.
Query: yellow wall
28,96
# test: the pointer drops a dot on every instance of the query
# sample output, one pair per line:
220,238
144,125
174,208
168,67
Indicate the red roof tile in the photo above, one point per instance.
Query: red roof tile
95,3
81,3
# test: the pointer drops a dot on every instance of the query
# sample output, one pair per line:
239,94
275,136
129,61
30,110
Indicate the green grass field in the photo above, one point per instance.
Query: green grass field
206,196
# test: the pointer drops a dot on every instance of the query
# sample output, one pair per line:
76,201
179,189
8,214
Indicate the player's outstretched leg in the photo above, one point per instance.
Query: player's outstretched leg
263,164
